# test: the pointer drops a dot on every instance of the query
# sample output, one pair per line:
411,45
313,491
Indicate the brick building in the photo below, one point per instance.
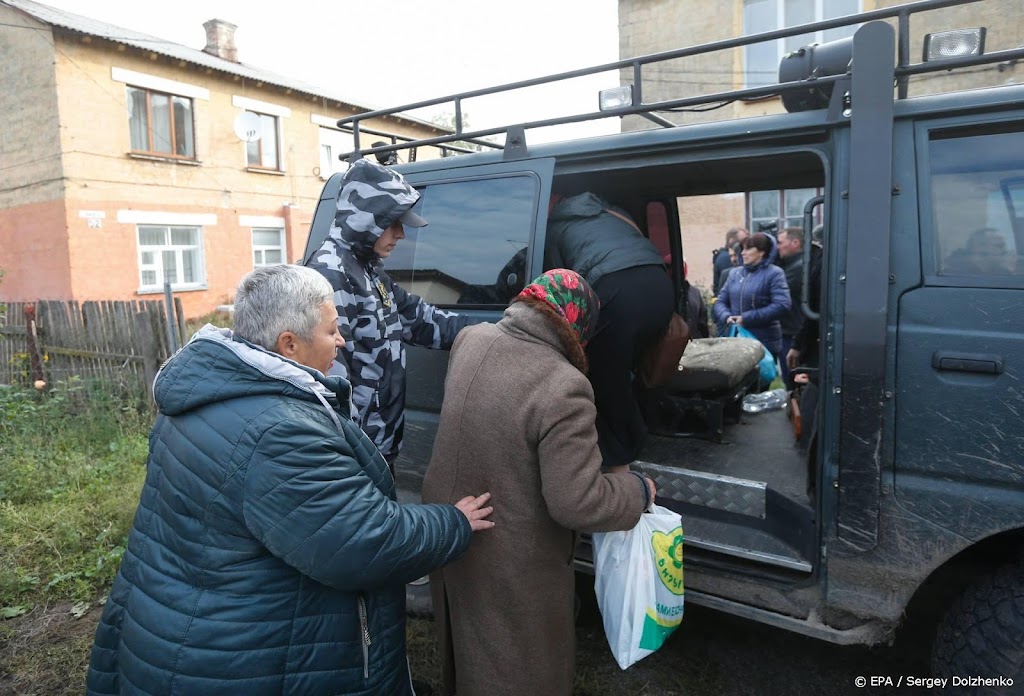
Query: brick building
120,166
652,26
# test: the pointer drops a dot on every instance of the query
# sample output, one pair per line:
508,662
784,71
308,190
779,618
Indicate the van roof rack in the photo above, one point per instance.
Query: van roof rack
903,71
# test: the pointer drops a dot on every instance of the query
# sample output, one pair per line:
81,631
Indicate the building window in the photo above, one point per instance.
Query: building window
160,124
776,210
169,254
267,246
332,144
265,152
761,61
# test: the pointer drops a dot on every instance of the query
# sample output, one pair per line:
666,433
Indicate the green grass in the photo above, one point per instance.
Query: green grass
72,462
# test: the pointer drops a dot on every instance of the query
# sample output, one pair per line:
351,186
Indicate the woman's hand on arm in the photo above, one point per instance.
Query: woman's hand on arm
473,508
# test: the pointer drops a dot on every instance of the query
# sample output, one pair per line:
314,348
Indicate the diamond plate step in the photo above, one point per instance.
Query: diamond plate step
739,496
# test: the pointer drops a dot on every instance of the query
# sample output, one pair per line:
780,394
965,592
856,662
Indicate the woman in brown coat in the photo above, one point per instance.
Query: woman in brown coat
518,421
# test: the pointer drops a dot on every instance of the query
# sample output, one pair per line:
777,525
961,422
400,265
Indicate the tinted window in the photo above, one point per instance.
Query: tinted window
977,189
474,249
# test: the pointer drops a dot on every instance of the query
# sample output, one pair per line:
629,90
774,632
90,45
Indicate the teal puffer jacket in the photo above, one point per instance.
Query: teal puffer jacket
268,555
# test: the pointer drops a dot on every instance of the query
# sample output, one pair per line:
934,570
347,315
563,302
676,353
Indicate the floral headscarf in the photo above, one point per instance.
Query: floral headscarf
570,296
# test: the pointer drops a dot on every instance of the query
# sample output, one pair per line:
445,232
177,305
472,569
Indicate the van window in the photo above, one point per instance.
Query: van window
474,250
977,189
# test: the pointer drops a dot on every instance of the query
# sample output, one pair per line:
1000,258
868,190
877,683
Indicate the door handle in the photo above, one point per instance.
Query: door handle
952,361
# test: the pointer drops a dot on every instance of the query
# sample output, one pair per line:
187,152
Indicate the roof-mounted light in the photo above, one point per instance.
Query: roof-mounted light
615,98
944,45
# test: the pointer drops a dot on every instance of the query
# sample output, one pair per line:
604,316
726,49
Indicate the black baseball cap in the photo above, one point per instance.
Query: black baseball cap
411,219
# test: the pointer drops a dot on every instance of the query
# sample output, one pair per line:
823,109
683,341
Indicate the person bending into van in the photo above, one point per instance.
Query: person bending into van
268,555
518,418
625,269
376,316
756,295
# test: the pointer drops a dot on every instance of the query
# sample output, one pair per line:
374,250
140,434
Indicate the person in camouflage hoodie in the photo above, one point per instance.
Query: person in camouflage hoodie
376,316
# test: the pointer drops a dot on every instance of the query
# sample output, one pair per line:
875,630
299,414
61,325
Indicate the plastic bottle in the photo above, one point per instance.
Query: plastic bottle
765,401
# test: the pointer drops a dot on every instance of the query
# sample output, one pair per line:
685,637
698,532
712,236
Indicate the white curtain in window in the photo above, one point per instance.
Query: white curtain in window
839,8
159,106
761,61
184,142
138,119
268,141
169,261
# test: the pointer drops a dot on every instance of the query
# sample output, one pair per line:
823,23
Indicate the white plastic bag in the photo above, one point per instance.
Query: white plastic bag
639,584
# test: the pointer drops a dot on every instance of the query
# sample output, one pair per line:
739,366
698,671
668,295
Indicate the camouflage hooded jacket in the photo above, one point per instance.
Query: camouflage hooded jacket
376,316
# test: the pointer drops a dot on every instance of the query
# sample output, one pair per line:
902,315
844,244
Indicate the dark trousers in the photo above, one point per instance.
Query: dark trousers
787,343
636,305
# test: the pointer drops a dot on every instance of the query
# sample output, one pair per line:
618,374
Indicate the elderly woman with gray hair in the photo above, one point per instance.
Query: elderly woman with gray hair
268,555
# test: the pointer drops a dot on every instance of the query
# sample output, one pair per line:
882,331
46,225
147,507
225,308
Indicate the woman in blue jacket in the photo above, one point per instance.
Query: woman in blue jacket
756,295
268,555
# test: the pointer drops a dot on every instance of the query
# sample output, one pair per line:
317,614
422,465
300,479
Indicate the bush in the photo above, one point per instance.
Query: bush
72,462
221,319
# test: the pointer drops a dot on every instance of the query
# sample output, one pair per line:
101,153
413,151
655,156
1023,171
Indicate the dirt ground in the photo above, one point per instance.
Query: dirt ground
715,654
45,653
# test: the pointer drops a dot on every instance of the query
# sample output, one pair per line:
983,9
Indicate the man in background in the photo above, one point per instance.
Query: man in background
721,260
791,260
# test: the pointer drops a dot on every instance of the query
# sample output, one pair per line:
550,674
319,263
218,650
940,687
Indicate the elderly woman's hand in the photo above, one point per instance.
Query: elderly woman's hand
735,319
472,508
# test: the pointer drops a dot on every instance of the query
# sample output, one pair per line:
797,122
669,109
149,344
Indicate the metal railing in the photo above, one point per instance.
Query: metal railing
904,69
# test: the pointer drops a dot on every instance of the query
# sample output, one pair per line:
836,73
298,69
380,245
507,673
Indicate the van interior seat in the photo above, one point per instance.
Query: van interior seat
713,377
715,364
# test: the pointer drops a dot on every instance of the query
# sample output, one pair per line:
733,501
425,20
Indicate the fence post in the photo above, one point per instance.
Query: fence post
35,361
172,327
150,359
180,311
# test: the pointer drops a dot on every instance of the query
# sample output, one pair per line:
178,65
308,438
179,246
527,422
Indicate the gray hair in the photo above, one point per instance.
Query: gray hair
273,299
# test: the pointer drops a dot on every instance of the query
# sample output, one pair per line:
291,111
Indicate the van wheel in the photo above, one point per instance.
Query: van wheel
982,635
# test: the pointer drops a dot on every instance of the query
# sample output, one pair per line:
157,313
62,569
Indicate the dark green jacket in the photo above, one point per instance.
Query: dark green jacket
268,555
585,237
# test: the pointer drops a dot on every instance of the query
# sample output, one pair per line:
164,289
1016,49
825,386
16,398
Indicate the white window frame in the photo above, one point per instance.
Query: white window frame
152,145
782,218
780,23
157,266
264,248
262,108
332,142
279,167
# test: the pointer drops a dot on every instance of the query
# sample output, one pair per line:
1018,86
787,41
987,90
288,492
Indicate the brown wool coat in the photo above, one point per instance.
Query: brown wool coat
518,421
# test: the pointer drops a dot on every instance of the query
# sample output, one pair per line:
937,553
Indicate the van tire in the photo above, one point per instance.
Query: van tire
982,634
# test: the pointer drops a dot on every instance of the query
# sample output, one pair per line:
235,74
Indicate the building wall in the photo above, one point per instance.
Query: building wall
652,26
34,252
30,165
704,221
33,237
80,89
104,178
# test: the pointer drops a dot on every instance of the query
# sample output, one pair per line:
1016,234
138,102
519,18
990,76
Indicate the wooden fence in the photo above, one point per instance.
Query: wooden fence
120,343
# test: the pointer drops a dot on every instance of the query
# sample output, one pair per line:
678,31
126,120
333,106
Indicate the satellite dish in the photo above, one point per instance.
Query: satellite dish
247,127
